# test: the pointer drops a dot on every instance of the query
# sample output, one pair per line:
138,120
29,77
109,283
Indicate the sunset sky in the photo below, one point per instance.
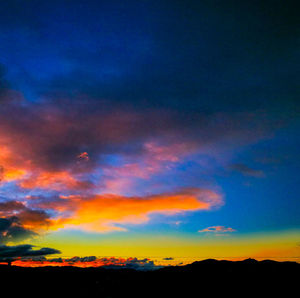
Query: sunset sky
166,130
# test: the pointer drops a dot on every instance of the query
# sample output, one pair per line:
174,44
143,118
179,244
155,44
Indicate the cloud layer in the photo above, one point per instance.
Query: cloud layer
12,253
99,168
88,261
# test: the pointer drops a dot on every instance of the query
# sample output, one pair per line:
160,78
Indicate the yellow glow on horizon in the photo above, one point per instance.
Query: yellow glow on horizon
277,246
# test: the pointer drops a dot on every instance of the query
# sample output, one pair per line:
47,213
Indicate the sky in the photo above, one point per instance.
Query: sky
159,130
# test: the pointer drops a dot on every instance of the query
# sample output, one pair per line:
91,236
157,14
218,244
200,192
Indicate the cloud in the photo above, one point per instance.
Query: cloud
11,230
104,213
34,259
64,152
247,171
10,207
88,261
52,146
61,180
168,259
55,260
18,222
99,212
217,230
95,165
10,253
153,159
139,264
83,156
83,260
29,218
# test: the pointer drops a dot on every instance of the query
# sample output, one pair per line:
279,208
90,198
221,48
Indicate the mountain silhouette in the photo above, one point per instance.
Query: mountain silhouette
198,279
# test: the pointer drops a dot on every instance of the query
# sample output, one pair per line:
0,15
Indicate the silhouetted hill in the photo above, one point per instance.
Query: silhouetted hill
201,278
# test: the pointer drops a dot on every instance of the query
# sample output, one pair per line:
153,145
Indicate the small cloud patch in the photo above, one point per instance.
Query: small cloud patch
247,171
217,230
84,156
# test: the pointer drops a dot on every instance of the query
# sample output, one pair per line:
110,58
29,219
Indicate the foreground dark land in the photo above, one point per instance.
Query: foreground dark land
198,279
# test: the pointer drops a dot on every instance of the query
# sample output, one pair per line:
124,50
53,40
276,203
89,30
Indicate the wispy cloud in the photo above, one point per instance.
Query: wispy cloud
247,171
217,230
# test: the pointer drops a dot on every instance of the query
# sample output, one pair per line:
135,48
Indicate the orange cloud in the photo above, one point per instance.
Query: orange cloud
103,213
11,174
13,167
9,169
34,219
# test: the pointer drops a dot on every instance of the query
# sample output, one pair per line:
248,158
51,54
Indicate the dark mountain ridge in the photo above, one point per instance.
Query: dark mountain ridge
192,280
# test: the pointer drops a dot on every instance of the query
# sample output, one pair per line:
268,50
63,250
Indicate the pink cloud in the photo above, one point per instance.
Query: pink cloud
155,158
